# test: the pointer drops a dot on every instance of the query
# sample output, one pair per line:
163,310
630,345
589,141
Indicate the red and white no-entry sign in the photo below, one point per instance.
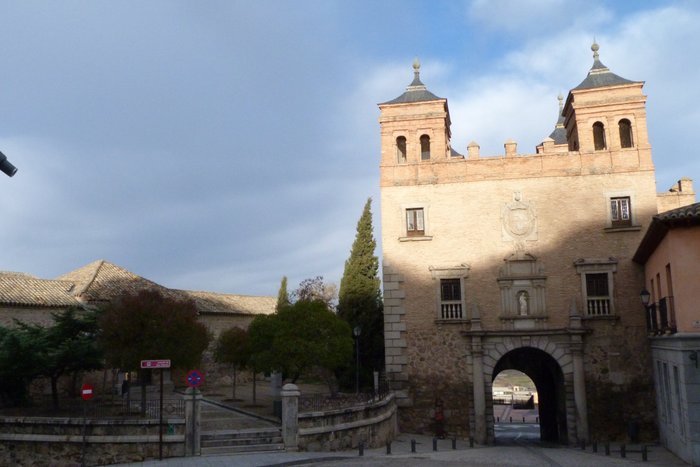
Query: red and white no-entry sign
87,391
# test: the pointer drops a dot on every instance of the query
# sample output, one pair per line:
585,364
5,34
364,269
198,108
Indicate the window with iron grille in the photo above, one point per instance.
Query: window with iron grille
597,294
450,299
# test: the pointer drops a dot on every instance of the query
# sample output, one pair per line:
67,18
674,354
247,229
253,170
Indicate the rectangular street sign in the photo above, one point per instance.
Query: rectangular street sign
155,363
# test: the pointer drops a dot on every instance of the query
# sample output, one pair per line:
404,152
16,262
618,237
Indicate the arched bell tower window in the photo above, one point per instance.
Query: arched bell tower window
626,140
401,149
599,136
425,148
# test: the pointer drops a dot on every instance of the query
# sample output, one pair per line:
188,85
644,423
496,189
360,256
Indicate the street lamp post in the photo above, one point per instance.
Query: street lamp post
356,332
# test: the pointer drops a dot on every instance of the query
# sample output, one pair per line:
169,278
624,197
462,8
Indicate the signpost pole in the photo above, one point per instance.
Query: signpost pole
82,451
160,364
160,434
87,393
194,379
194,417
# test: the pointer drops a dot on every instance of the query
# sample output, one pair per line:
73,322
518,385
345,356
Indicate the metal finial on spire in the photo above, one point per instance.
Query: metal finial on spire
595,47
416,69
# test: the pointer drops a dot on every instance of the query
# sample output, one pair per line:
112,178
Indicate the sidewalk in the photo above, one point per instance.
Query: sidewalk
522,454
401,456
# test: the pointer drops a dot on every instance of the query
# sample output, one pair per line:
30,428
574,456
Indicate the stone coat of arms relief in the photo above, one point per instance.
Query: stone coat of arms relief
519,222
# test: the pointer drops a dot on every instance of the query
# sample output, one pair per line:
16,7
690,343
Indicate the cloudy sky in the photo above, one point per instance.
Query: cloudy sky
219,145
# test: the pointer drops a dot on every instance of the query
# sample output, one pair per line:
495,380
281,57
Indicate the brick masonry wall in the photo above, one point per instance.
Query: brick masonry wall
463,201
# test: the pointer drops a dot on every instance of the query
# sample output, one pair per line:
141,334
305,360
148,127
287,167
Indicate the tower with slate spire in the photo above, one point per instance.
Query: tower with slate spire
415,126
606,112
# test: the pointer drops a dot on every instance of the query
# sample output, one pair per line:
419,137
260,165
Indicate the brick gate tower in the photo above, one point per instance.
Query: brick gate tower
518,261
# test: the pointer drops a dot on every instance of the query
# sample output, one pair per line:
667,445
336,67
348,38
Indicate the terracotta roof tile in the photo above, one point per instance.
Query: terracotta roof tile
102,281
24,290
209,302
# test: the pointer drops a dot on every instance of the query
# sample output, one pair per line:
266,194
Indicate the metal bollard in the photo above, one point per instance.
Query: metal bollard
471,442
644,452
434,444
388,447
537,419
607,448
361,449
583,445
594,445
498,419
454,443
511,419
413,445
623,451
523,419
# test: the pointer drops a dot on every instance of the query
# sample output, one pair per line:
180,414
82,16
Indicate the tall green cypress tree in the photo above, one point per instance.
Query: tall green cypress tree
359,298
282,295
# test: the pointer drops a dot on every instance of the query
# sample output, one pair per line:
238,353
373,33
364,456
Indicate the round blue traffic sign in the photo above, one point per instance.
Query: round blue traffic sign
195,378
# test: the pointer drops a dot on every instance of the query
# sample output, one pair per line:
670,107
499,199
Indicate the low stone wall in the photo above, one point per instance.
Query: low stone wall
45,441
373,424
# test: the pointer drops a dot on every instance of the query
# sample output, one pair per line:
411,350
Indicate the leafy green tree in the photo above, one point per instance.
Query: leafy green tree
300,337
233,348
19,364
261,335
68,347
282,295
359,299
148,325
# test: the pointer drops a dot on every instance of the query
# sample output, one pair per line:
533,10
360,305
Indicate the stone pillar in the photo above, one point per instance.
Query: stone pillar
193,421
580,390
576,348
276,393
290,416
479,391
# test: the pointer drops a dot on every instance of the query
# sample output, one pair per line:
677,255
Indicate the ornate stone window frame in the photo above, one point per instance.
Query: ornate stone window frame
461,272
597,266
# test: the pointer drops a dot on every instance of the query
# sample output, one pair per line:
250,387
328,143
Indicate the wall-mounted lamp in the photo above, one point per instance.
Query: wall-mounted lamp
6,167
694,357
645,296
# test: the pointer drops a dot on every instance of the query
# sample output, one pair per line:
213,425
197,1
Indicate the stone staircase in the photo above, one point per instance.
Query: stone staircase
231,441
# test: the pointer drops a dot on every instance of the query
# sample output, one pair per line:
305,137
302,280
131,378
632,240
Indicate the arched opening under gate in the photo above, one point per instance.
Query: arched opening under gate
546,373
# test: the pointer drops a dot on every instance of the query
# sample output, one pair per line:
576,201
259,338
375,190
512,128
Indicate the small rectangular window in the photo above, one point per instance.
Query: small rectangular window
620,212
450,299
597,294
415,223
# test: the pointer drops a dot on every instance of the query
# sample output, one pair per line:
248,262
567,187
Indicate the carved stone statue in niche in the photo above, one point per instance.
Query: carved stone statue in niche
522,282
523,299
